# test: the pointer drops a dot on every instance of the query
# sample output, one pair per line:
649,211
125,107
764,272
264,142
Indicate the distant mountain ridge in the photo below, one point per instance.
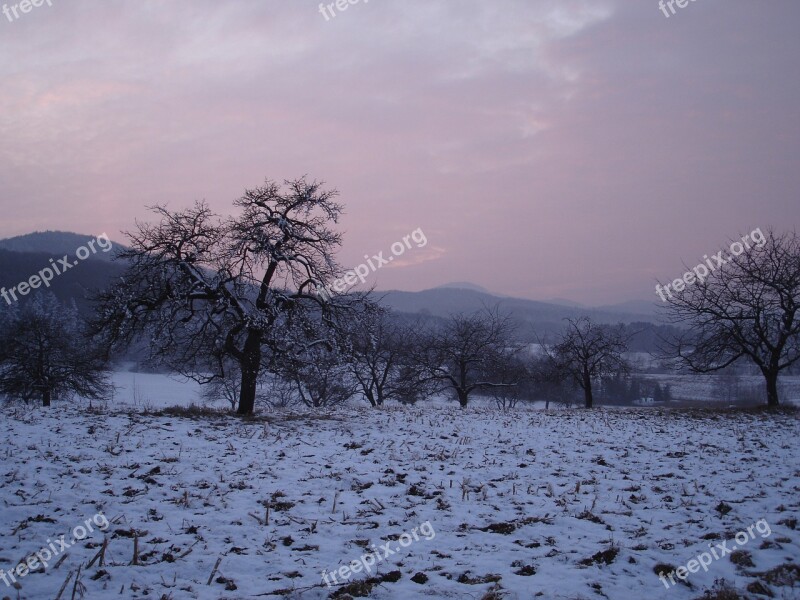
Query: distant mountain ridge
23,256
57,243
442,301
463,285
642,308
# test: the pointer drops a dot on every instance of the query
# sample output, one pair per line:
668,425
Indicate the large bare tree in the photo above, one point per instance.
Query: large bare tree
587,351
746,309
207,291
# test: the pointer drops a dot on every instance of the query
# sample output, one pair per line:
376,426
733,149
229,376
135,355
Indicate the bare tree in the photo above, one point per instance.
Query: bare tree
728,385
372,354
587,351
209,291
280,392
379,357
745,309
44,354
463,355
318,378
412,383
550,384
511,366
227,386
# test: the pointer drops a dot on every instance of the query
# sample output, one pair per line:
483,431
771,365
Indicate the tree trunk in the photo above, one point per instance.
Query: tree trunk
772,388
46,397
250,366
463,398
587,390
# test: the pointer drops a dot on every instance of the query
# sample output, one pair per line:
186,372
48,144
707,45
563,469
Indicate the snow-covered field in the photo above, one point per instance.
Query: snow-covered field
561,505
153,390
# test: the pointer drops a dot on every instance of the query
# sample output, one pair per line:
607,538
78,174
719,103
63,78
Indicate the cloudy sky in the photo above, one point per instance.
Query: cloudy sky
576,149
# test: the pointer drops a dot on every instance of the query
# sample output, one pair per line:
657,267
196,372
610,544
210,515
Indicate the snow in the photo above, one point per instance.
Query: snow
152,390
502,491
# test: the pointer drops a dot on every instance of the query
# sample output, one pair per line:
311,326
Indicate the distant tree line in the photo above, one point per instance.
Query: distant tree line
232,303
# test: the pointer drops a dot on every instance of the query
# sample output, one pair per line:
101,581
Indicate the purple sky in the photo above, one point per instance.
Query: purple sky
564,148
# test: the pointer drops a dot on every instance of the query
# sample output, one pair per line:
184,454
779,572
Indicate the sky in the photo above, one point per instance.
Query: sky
576,149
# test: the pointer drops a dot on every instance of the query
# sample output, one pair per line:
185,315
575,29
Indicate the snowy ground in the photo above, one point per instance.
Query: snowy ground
530,503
